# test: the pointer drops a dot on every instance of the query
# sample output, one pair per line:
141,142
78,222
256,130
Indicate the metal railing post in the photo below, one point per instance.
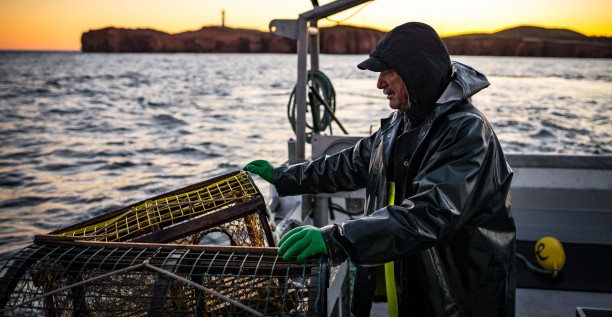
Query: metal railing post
300,91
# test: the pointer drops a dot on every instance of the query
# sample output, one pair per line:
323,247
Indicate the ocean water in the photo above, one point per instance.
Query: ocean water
83,134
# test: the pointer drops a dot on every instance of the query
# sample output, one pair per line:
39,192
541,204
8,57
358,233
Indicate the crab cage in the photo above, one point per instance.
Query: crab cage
152,258
81,278
229,205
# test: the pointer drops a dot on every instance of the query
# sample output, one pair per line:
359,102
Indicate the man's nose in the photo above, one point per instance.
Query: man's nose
381,83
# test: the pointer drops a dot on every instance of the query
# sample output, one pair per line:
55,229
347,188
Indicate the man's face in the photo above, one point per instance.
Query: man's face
393,86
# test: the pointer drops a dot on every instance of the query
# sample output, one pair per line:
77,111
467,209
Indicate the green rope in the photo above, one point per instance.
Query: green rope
536,269
320,116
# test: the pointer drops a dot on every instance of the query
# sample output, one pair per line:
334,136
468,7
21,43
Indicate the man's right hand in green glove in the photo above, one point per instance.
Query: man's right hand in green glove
261,168
302,242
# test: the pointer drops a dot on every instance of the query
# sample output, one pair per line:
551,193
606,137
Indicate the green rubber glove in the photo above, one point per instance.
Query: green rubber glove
261,168
303,242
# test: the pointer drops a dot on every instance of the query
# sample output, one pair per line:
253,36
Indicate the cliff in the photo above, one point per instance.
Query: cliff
530,41
348,40
519,41
205,40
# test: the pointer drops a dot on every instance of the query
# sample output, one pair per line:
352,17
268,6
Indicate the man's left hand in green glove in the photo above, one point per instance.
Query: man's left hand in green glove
303,242
262,168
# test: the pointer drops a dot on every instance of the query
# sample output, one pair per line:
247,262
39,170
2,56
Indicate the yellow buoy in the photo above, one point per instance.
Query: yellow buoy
550,254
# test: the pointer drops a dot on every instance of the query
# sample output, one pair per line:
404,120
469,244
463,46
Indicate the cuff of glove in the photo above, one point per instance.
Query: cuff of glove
335,251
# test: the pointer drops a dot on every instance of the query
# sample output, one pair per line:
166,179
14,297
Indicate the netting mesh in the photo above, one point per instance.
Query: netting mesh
147,259
118,279
230,204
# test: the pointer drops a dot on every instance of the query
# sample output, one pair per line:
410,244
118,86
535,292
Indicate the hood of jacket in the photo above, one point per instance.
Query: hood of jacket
465,82
416,52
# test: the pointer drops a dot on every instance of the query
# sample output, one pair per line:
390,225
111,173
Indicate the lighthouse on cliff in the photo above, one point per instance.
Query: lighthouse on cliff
222,18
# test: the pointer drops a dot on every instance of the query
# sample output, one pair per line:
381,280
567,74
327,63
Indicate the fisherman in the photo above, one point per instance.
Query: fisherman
437,207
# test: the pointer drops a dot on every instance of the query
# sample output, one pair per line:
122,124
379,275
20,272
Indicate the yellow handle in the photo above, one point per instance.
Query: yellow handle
390,269
391,197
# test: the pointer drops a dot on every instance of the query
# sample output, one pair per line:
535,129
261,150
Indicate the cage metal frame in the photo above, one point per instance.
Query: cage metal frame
92,278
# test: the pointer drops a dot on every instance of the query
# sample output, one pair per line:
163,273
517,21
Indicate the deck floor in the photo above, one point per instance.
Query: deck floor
540,303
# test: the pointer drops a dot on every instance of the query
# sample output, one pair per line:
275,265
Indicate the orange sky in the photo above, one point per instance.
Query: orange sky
58,24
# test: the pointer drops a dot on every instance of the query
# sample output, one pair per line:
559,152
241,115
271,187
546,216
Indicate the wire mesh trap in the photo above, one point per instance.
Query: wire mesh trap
79,278
229,204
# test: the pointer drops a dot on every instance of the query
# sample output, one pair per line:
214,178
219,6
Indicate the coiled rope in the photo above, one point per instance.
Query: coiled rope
321,103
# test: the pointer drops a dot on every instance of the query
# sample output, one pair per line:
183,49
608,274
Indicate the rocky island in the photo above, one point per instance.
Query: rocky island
518,41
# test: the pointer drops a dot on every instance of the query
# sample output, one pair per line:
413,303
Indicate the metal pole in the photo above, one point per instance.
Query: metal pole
330,8
300,91
314,45
320,213
327,108
321,207
315,110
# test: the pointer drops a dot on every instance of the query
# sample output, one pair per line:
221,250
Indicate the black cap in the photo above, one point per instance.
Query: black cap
374,64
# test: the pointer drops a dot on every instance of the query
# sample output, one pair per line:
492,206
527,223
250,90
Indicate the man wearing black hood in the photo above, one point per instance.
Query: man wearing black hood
437,190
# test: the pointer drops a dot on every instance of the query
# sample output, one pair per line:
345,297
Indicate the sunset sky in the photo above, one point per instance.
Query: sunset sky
58,24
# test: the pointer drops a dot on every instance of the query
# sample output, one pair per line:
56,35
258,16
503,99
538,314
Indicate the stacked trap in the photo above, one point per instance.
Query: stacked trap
230,204
152,259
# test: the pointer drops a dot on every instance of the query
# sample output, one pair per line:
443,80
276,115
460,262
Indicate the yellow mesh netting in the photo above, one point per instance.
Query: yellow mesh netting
172,209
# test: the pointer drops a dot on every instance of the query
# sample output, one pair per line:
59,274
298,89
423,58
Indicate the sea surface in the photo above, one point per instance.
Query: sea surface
84,134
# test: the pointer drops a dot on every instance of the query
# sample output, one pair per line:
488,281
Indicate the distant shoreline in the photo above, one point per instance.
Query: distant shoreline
521,41
517,41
